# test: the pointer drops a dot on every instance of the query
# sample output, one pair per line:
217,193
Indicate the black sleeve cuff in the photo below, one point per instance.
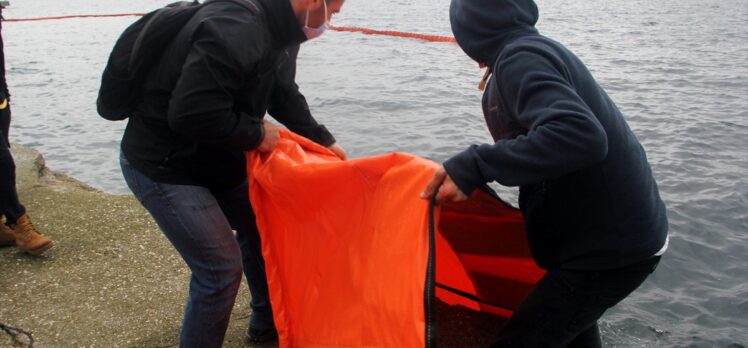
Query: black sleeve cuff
464,171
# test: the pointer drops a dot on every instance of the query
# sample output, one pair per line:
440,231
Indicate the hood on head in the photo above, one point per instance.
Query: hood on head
482,27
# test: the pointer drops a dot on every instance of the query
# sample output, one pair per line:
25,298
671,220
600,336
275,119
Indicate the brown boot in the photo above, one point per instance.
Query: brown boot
28,238
6,235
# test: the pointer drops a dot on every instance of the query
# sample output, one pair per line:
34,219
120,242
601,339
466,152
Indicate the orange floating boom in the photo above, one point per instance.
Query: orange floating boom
367,31
71,17
425,37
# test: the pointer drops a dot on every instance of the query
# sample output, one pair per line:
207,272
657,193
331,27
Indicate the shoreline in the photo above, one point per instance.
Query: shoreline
111,280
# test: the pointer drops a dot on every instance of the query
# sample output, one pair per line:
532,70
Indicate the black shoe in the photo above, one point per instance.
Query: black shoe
257,336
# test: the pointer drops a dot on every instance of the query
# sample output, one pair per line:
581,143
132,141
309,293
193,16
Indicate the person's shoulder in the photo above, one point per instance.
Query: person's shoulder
536,45
518,55
233,23
530,52
529,57
231,16
225,28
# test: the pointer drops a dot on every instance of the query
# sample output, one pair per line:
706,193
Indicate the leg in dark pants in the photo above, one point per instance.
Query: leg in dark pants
10,207
563,308
190,217
238,210
199,223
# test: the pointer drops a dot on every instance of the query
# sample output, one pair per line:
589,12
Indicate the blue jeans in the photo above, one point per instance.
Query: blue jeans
199,221
563,308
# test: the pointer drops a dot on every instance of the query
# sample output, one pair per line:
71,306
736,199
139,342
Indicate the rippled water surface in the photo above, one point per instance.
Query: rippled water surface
677,69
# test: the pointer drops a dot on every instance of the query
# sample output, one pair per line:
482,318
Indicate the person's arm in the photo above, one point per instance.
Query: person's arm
202,103
289,107
563,135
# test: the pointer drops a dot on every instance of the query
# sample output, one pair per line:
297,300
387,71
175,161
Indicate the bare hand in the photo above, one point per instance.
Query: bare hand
271,136
448,192
339,151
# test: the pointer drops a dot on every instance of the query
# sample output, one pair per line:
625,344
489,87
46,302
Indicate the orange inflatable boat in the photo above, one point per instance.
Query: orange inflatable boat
356,259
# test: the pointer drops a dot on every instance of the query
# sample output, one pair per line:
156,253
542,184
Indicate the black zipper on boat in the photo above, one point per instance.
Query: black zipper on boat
430,286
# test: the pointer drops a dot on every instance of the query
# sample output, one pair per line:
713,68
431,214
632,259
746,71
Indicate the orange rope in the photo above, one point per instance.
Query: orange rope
72,16
432,38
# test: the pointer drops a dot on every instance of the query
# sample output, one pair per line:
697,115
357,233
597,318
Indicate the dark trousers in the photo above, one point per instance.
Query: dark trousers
215,233
9,204
563,308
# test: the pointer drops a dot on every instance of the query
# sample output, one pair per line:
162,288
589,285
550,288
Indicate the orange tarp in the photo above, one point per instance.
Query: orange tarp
346,246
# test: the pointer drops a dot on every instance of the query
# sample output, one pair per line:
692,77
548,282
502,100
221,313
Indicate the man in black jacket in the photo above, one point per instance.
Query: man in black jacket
183,151
595,220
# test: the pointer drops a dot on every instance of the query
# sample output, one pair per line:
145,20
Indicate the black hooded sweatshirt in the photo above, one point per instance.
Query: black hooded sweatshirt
204,101
586,189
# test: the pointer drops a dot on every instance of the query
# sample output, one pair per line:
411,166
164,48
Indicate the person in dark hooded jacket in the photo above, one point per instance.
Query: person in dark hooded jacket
594,217
183,151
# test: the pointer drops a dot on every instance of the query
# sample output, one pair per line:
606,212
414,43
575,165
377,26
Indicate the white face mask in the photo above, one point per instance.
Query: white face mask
312,33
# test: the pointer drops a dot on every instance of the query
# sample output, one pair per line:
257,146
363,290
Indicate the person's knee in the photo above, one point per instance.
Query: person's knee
6,156
215,276
7,166
230,273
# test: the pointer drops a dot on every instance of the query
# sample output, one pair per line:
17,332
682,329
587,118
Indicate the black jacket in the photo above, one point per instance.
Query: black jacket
204,102
3,83
586,188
